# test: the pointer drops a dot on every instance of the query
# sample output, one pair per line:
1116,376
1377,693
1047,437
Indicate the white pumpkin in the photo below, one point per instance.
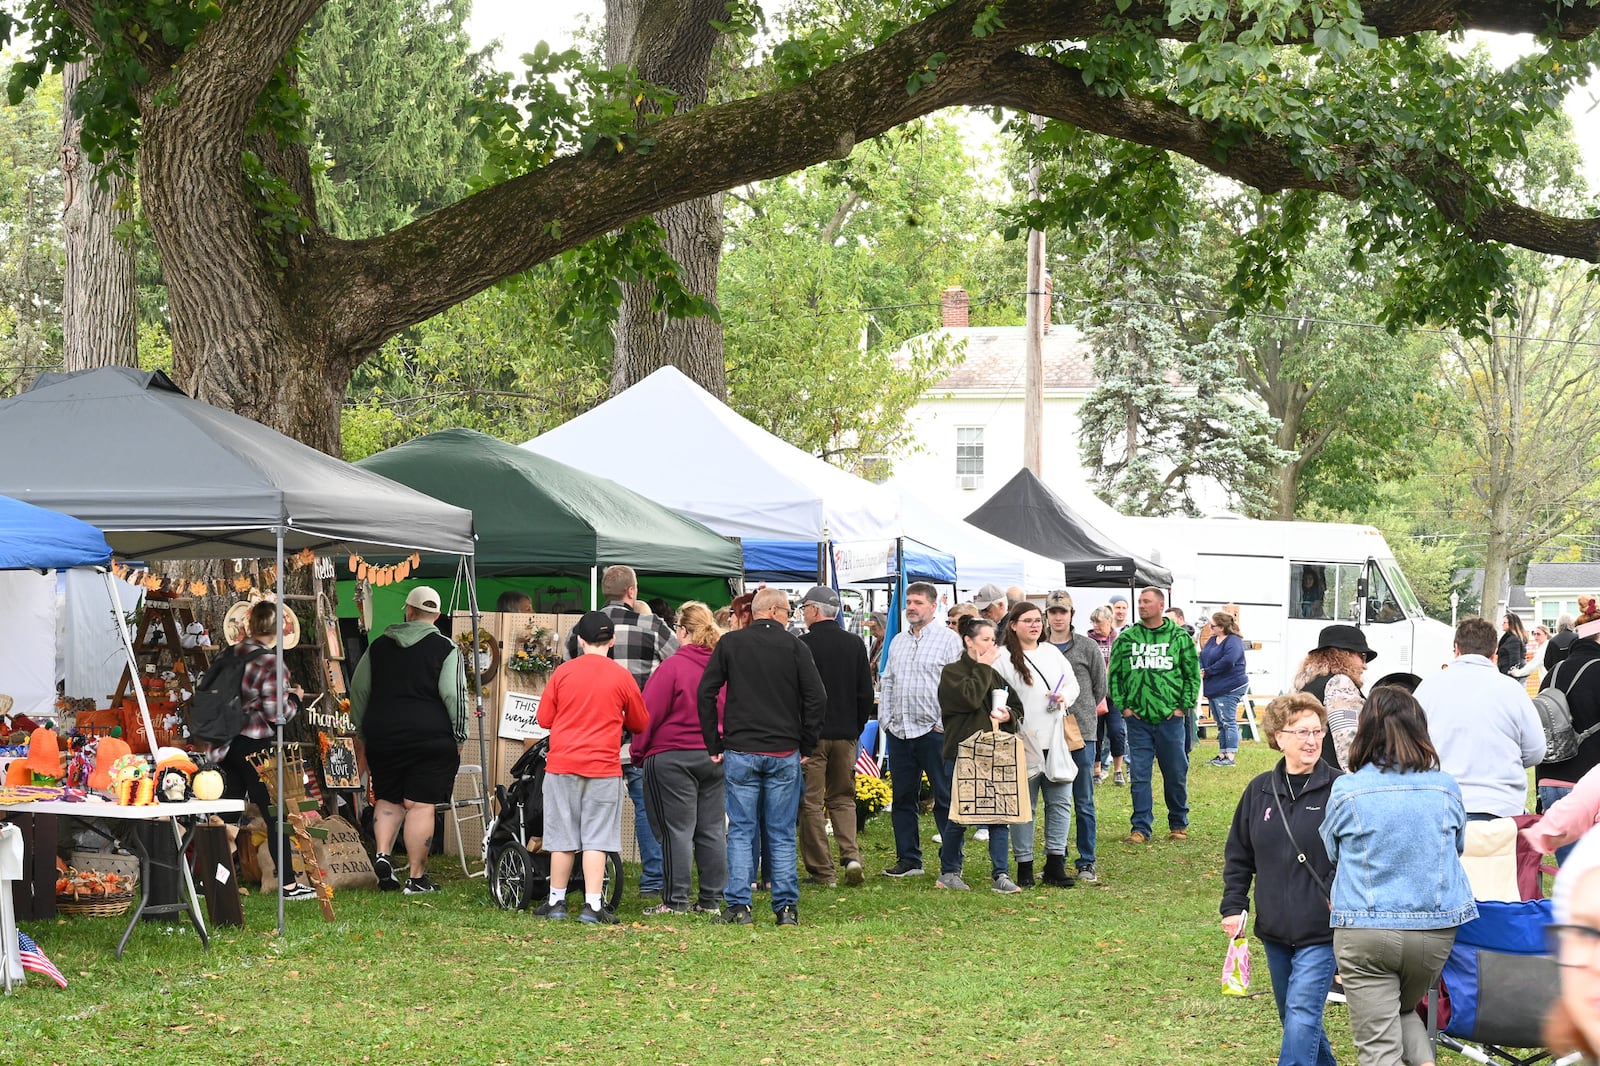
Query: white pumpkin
208,785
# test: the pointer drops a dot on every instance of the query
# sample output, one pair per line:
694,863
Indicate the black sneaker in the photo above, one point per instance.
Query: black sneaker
736,914
383,866
556,910
299,891
904,868
420,886
600,915
788,916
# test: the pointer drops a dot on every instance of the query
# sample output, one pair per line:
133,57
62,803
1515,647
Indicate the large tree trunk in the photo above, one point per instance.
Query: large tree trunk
99,318
670,44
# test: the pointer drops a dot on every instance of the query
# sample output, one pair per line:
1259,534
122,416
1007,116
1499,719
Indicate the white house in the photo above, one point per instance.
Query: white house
967,428
1553,589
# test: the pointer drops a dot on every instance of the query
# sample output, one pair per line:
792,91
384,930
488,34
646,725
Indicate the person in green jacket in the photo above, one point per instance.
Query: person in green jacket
1154,676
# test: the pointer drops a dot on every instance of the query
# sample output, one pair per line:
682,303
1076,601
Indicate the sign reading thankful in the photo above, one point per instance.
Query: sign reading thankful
519,717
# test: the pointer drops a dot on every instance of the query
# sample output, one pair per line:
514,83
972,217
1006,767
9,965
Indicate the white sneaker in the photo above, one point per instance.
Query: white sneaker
981,834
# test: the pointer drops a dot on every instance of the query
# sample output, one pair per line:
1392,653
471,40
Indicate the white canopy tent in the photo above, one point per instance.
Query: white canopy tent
981,557
731,475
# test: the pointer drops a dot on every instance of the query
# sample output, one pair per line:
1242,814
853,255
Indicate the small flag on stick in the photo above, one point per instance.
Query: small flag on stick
35,960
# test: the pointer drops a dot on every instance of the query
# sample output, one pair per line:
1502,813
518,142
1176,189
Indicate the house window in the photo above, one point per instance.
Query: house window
969,454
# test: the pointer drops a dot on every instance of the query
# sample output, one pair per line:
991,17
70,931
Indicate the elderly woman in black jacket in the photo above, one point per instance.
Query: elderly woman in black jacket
1276,842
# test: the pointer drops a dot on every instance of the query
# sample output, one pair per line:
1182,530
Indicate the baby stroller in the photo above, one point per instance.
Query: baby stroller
1500,979
513,843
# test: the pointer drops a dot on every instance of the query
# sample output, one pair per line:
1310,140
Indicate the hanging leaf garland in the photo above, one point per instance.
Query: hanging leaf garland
362,570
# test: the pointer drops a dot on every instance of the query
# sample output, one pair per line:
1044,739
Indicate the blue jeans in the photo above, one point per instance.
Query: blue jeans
1225,709
908,761
952,850
763,795
1083,803
1149,744
649,846
1301,978
1111,736
1549,796
1057,816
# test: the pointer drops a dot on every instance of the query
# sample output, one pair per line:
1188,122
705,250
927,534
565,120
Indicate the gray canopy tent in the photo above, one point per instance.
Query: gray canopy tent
221,486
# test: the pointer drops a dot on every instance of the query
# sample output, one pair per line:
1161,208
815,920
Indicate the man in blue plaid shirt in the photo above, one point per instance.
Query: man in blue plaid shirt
908,711
643,642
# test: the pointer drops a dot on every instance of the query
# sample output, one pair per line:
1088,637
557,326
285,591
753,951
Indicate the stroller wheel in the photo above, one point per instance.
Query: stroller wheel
511,878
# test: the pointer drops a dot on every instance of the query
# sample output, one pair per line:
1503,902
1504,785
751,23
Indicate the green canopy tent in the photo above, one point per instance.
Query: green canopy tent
539,518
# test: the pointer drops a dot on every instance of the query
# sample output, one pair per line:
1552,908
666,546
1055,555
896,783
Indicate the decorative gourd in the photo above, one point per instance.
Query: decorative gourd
208,785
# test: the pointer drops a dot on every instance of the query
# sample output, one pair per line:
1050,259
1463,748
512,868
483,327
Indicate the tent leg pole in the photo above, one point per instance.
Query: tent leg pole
594,586
477,687
133,660
285,861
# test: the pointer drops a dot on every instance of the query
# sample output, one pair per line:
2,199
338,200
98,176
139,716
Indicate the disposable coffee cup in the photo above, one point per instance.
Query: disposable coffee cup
997,699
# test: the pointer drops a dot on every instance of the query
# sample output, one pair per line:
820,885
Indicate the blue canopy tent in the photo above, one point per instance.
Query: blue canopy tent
789,560
32,538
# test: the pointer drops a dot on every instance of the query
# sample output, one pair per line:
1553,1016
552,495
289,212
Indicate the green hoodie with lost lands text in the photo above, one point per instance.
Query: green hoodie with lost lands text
1154,672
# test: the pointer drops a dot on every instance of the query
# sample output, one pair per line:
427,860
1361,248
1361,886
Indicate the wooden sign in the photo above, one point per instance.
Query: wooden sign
518,717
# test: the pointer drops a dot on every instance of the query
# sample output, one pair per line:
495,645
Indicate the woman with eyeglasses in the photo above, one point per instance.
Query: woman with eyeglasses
1573,1023
1276,843
1394,831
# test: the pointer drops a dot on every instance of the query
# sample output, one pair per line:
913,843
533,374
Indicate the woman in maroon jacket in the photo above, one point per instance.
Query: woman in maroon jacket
682,786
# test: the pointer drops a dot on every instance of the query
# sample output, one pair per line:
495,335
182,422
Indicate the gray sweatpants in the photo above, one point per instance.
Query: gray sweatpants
683,800
1386,972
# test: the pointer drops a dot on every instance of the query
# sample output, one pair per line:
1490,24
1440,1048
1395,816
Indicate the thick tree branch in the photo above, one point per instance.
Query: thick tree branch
373,289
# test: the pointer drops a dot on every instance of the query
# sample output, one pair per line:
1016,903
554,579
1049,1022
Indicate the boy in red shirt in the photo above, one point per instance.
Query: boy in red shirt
586,705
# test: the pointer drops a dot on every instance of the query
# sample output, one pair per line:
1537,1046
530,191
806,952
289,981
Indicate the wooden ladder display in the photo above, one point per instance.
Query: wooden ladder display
160,633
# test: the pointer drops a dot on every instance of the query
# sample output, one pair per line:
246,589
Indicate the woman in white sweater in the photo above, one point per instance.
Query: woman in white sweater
1044,680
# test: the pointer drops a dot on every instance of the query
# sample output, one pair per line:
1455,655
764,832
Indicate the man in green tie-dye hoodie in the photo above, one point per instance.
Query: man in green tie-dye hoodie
1154,676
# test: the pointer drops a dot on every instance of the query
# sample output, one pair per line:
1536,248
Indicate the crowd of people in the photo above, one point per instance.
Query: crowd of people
739,741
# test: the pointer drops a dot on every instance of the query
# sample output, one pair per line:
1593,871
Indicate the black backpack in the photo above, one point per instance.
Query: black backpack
216,712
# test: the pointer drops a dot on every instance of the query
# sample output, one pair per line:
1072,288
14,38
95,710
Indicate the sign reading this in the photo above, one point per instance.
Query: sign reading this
519,717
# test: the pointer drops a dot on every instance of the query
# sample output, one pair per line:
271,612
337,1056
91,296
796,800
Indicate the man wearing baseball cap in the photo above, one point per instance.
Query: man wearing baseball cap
406,701
830,772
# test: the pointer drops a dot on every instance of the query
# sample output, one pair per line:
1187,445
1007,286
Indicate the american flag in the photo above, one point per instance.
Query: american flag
866,764
34,959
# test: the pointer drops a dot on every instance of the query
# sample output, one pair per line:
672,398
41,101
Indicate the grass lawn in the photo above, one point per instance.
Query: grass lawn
1123,972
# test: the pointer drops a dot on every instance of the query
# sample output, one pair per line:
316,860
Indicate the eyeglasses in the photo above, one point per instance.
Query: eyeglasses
1303,734
1573,945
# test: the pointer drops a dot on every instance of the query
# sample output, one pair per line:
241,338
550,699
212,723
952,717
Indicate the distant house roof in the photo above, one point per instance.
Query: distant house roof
1473,579
1517,599
1584,577
994,358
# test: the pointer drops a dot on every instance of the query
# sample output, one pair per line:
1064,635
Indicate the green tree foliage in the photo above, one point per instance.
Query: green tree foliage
390,85
31,256
492,364
828,272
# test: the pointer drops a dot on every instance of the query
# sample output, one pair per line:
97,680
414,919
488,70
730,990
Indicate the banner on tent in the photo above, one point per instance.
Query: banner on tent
519,717
864,560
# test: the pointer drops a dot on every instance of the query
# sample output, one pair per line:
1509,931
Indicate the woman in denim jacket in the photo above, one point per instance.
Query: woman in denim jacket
1394,832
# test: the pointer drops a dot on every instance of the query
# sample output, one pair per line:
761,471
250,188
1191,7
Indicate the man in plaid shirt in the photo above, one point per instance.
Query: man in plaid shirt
908,711
643,642
263,709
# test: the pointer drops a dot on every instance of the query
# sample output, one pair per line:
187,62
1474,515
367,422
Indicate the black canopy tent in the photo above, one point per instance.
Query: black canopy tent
221,486
1025,512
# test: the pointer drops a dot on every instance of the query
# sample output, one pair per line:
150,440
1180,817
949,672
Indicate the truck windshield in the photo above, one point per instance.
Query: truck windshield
1402,588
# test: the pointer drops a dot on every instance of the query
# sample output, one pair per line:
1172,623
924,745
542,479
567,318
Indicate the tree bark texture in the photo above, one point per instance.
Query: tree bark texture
272,328
671,44
99,316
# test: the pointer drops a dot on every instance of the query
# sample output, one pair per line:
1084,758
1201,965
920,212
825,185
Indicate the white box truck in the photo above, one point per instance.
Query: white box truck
1289,580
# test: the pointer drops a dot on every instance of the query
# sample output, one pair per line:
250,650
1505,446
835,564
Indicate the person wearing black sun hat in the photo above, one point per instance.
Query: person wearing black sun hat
1332,672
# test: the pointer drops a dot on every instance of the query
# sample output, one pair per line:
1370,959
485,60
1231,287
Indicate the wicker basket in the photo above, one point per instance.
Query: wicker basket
95,906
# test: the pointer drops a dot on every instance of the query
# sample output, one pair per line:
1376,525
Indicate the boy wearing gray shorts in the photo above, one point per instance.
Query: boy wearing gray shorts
586,705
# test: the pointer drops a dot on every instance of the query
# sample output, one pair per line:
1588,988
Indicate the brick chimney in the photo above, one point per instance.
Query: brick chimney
953,305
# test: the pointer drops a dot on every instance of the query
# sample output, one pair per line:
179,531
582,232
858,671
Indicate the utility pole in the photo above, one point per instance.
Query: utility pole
1038,315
